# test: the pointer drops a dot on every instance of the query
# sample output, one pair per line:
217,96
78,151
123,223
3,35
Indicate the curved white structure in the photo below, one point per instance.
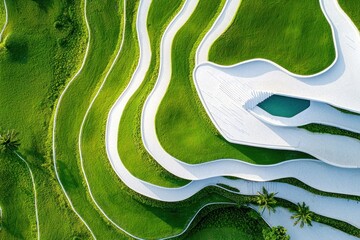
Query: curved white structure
208,170
227,91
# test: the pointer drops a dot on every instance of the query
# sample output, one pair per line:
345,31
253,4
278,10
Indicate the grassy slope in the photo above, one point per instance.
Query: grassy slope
116,199
182,125
229,223
294,34
131,150
104,41
26,75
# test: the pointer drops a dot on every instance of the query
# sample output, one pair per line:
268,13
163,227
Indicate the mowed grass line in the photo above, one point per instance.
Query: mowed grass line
27,55
131,150
182,125
104,43
293,34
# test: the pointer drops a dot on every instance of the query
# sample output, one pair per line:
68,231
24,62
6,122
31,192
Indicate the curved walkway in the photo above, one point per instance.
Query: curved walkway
35,194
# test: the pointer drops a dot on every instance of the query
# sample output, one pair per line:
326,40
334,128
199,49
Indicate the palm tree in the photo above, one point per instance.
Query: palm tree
9,141
303,215
266,200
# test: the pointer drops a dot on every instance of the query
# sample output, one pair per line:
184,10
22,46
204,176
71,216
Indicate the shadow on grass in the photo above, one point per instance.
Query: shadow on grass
17,48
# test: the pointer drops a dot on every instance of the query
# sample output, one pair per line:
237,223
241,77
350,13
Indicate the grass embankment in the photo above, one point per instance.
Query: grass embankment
105,25
131,150
30,59
229,223
294,34
183,127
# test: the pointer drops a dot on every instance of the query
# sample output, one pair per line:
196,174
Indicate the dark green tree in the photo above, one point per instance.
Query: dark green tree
275,233
266,200
9,141
303,215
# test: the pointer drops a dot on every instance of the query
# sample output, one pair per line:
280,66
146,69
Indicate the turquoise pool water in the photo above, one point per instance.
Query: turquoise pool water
282,106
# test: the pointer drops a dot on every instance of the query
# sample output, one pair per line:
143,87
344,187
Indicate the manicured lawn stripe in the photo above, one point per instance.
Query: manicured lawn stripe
294,34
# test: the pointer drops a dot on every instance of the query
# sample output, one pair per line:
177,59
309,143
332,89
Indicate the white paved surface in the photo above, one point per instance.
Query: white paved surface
226,91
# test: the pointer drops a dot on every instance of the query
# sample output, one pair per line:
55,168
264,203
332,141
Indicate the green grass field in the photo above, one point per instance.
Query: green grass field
293,34
183,127
229,223
29,59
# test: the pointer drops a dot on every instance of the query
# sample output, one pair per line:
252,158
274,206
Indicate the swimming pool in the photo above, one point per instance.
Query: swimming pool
282,106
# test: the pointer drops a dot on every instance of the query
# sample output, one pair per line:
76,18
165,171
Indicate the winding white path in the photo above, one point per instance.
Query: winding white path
6,20
35,194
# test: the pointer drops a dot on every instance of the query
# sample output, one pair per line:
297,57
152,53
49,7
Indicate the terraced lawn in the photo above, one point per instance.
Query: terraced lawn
182,125
131,149
294,34
104,43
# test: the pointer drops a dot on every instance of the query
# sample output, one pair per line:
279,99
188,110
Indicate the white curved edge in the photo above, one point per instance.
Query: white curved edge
6,20
55,118
222,23
35,194
142,13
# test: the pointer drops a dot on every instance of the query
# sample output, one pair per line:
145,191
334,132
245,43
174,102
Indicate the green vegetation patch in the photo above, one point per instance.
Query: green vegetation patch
229,223
29,56
320,128
294,34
